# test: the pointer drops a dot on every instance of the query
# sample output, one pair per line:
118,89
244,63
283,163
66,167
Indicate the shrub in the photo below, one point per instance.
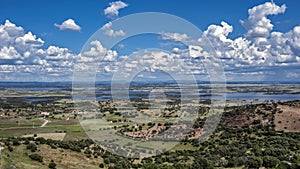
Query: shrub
32,147
269,161
202,163
36,157
10,148
106,160
16,142
75,148
101,165
87,151
41,140
26,141
256,122
254,162
52,165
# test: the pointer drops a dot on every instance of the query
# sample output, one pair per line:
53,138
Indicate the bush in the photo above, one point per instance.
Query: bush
10,148
41,140
202,163
269,161
87,151
16,142
254,162
256,122
32,147
75,148
52,165
106,160
26,141
36,157
284,165
101,165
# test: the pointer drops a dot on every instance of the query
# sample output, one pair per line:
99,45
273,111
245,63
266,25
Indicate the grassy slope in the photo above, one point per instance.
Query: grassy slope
63,158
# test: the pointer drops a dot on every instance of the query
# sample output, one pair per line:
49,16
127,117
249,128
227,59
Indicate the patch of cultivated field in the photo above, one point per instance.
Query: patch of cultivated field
288,119
53,136
19,122
55,129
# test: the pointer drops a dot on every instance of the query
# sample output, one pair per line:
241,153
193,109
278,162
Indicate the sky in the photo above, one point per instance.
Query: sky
255,40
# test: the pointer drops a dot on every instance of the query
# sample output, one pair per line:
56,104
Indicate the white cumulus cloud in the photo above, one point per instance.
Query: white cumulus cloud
23,55
110,32
260,49
113,9
258,25
8,53
68,24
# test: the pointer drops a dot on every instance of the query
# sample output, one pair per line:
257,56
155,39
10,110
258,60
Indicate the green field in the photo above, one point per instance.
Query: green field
72,128
20,122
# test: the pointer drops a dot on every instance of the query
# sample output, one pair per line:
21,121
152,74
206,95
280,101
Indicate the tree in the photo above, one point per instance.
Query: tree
75,148
10,148
270,162
256,122
32,147
52,165
202,163
284,165
36,157
26,141
254,162
87,151
101,165
181,166
106,160
41,140
121,164
16,142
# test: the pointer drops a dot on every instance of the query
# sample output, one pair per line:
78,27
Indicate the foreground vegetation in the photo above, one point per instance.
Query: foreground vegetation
248,136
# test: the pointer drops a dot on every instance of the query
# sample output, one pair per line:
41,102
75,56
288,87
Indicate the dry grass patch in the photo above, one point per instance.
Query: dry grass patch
53,136
288,119
68,159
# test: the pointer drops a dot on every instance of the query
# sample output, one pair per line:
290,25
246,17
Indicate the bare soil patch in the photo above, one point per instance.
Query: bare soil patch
288,119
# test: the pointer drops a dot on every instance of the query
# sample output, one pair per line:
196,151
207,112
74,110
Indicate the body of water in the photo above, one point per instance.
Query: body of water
103,91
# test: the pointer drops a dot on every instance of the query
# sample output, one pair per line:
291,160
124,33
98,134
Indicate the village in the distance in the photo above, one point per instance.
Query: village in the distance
41,125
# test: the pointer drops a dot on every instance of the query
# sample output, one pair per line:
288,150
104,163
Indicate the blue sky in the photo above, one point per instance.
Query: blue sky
45,20
39,16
